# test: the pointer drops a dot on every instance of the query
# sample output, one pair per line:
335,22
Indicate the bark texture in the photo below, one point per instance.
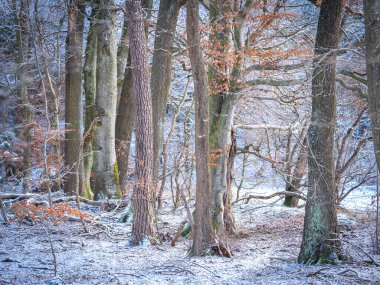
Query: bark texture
125,121
203,234
320,243
372,40
162,73
142,227
73,102
105,165
25,110
89,77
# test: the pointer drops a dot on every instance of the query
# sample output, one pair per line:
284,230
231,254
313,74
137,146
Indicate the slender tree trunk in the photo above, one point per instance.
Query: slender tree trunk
73,102
26,114
125,120
89,78
162,73
105,165
122,56
203,233
320,243
295,179
142,193
372,40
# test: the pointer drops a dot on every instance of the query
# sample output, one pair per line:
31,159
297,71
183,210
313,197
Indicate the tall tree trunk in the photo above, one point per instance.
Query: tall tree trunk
142,193
203,234
320,243
125,120
26,114
372,40
122,56
161,73
89,78
105,165
73,102
224,83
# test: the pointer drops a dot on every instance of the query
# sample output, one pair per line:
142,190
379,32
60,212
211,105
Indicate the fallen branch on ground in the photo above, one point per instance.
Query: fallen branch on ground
263,197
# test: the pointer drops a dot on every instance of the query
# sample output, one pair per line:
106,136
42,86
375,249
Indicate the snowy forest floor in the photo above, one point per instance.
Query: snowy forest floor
264,250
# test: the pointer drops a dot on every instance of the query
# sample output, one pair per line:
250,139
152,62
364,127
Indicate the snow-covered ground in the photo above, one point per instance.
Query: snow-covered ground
264,250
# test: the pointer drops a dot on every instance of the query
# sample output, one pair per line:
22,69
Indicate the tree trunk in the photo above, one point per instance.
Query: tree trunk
25,110
161,73
89,76
320,243
73,102
142,193
224,82
295,179
125,120
372,40
105,166
203,234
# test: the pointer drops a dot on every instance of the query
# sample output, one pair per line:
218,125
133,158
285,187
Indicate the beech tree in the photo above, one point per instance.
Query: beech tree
320,242
143,188
73,102
105,166
203,235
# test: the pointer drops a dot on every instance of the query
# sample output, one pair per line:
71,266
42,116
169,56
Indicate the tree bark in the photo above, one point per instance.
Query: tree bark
73,102
161,73
142,227
320,243
203,234
26,114
372,39
105,166
125,120
89,78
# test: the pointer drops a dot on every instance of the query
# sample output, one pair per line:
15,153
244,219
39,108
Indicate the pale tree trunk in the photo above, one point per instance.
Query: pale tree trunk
320,243
203,233
225,82
142,227
161,73
125,120
372,40
73,102
105,166
89,83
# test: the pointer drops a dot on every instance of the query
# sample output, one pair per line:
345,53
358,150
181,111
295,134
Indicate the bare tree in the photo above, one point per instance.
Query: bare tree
73,102
372,39
143,189
203,234
320,243
105,165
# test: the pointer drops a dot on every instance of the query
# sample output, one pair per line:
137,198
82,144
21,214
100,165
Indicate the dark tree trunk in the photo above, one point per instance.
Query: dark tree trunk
161,73
372,40
142,193
73,102
125,120
25,109
203,235
320,243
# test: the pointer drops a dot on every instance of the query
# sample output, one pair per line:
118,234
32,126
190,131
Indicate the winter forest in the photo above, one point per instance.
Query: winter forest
189,141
